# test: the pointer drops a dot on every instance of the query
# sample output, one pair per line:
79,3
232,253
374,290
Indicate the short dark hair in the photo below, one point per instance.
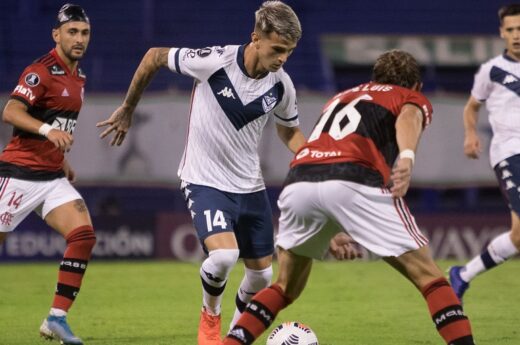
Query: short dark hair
70,13
508,10
396,67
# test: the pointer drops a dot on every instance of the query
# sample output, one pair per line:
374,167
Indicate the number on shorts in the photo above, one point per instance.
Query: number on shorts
338,131
16,201
218,219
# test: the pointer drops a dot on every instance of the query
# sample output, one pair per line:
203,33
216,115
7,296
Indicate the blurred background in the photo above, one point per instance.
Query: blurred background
133,191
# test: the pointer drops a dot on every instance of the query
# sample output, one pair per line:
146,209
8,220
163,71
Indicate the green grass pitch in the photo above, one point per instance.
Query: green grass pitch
158,303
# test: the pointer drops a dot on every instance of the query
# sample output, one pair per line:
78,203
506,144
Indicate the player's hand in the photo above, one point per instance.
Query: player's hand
343,247
400,177
61,139
472,148
70,174
119,122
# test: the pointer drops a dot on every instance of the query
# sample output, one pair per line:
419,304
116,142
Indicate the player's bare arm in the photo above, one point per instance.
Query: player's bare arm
15,113
292,137
408,131
472,148
121,120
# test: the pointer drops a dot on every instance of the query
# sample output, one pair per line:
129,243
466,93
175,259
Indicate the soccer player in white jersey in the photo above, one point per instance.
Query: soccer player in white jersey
237,88
497,83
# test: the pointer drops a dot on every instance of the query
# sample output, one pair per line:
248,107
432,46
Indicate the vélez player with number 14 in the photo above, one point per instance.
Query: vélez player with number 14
237,88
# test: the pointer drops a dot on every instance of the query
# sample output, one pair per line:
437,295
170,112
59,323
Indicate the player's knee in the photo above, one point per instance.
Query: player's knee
259,279
224,259
83,236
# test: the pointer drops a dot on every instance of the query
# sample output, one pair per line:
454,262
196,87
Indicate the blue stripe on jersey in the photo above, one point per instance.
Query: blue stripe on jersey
287,120
507,79
176,58
238,113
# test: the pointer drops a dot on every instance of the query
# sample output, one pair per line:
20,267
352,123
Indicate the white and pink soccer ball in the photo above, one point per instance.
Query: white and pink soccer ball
292,333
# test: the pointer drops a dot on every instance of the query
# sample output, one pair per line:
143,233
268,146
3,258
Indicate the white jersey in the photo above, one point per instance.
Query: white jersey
228,113
498,84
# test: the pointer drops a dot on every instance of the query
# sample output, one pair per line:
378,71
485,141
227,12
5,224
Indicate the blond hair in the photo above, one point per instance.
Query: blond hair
275,16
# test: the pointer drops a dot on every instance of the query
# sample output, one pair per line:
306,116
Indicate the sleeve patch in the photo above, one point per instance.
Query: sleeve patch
32,79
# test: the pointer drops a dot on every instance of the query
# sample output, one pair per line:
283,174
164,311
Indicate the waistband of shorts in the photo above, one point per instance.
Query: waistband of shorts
336,171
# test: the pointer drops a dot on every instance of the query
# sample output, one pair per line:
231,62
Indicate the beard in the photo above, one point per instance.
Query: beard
73,56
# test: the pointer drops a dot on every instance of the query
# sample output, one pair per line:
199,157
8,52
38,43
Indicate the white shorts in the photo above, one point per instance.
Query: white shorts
313,212
18,198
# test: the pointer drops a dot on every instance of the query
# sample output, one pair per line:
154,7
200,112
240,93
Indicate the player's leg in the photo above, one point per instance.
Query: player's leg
222,256
65,211
445,308
385,226
254,232
257,276
261,311
214,214
301,221
505,245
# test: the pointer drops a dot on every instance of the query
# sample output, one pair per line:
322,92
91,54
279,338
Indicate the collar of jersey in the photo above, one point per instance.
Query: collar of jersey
240,62
508,58
61,62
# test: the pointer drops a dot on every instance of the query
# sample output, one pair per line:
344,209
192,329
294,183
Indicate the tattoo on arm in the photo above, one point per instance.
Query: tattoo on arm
80,205
154,59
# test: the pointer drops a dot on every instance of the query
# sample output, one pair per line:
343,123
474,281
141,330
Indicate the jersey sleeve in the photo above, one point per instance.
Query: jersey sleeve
32,85
286,112
197,63
419,100
482,83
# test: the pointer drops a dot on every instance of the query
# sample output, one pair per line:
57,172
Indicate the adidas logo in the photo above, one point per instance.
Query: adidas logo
65,93
509,79
239,334
226,92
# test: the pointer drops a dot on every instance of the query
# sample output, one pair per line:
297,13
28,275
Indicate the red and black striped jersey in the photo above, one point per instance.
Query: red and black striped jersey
355,137
53,94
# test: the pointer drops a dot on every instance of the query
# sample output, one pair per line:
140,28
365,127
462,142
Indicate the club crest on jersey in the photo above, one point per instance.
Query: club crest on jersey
32,79
268,103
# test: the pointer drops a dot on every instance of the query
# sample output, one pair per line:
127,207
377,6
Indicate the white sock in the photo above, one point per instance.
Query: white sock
57,312
499,250
253,281
214,273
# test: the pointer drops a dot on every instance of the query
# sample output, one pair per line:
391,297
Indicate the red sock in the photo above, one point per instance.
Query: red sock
447,313
258,316
80,242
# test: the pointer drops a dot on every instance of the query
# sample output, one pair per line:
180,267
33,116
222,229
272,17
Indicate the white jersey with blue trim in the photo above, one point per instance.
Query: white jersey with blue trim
228,113
498,84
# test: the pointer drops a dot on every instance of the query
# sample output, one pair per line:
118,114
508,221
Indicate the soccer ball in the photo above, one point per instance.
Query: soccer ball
292,333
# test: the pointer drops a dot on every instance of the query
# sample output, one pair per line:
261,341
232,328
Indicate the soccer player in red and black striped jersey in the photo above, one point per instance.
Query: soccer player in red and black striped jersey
34,174
354,171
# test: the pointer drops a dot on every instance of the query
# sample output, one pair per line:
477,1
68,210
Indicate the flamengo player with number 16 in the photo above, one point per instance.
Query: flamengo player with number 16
354,171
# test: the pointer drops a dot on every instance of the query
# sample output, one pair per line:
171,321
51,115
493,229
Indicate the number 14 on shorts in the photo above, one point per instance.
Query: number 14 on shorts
215,220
